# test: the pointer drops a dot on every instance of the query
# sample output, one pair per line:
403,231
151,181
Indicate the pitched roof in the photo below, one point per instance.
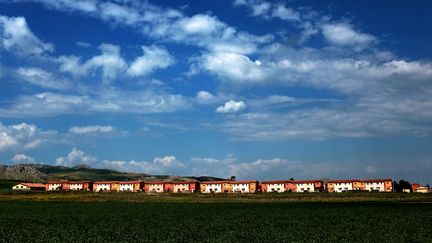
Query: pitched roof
36,185
156,182
345,181
307,181
57,182
276,182
184,182
378,180
129,182
244,181
105,182
214,182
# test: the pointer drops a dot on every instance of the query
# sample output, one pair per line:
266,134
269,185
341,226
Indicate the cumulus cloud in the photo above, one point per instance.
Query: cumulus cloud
91,129
204,97
154,58
23,136
344,34
160,165
16,36
76,157
22,159
231,107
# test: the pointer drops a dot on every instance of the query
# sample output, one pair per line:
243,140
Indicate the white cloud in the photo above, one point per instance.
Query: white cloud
154,58
204,97
41,78
160,165
285,13
83,44
200,24
104,101
109,61
344,34
234,67
76,157
22,159
16,36
166,24
91,129
231,107
23,136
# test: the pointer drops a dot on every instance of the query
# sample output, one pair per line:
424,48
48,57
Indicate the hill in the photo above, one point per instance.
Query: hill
43,173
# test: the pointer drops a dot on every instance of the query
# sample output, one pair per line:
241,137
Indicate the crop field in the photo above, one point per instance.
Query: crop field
122,221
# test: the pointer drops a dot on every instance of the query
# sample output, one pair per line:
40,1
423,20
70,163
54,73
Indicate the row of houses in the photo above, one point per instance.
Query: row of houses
226,186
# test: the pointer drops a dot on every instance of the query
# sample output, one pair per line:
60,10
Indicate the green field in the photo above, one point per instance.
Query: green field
160,218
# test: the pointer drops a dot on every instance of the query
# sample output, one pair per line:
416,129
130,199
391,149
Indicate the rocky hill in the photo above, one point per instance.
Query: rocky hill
43,173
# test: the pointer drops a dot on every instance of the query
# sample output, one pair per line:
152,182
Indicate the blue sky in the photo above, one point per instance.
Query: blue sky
256,89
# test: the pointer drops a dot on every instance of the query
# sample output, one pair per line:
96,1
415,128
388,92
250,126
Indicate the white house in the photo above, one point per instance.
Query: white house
276,187
305,186
29,186
240,187
211,187
343,186
375,186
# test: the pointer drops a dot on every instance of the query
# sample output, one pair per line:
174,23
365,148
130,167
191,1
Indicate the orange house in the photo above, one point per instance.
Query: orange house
157,186
110,186
381,185
57,185
130,186
81,185
184,186
309,185
277,186
215,186
245,186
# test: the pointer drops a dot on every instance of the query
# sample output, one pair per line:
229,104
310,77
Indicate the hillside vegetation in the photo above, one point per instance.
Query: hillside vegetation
43,173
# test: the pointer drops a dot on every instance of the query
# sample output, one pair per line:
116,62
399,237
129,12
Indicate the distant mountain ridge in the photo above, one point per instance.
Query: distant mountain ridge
43,173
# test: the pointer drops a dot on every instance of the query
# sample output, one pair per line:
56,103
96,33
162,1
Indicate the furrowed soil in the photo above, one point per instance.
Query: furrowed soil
138,217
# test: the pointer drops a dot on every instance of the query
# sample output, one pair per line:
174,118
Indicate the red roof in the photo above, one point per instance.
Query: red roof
184,182
214,182
37,185
277,182
244,181
79,182
377,180
57,182
105,182
156,182
129,182
307,181
345,181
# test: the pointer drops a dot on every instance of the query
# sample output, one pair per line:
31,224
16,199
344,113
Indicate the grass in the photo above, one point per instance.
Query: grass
215,198
59,221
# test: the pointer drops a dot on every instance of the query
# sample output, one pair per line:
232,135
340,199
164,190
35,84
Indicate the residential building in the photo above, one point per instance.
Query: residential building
214,186
26,186
379,185
155,186
130,186
57,185
419,188
309,185
244,186
274,186
81,185
340,185
102,186
185,186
